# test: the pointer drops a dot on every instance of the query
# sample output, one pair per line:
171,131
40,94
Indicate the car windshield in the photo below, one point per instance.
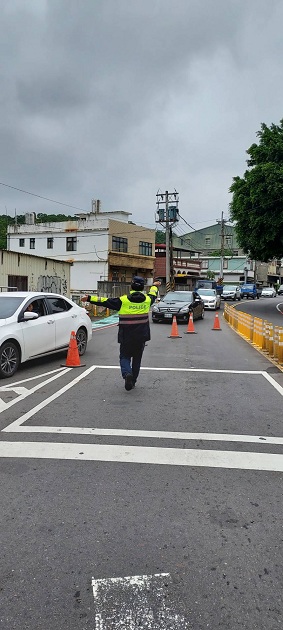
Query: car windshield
227,287
8,306
206,292
178,296
247,286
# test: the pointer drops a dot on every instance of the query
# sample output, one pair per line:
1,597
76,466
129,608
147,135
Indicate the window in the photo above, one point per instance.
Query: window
119,244
32,243
58,305
204,264
207,241
145,249
21,242
71,244
17,282
36,306
228,240
50,243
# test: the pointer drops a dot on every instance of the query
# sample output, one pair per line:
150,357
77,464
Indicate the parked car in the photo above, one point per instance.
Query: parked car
231,292
210,298
179,303
268,292
280,290
36,324
250,291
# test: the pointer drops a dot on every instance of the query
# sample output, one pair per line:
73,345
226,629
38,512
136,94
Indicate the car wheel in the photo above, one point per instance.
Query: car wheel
81,340
202,314
234,298
9,359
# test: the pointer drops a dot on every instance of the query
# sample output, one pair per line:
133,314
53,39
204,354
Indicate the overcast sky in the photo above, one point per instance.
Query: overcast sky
115,99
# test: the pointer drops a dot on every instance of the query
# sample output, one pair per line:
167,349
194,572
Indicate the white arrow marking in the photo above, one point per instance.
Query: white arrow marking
16,390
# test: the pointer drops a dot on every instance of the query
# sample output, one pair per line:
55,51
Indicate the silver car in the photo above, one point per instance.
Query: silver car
268,292
231,292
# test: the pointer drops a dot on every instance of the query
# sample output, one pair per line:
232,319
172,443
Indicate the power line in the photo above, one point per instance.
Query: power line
60,203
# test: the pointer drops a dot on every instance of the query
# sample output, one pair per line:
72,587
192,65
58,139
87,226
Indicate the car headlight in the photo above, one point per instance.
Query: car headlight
185,309
155,308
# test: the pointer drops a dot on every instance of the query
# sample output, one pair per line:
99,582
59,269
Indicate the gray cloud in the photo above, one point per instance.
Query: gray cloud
114,100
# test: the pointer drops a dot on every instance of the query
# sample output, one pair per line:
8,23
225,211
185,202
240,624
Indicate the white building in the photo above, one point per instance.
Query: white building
101,245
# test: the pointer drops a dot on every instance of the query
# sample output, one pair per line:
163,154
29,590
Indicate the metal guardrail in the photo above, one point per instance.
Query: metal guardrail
259,332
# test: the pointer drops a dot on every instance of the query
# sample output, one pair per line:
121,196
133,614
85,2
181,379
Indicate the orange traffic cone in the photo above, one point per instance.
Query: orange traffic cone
191,328
73,357
174,329
216,325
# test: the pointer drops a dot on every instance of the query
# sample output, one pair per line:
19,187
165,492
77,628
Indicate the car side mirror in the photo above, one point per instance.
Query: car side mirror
28,315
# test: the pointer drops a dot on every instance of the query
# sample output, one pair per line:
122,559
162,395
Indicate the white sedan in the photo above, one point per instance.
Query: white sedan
36,324
210,298
268,292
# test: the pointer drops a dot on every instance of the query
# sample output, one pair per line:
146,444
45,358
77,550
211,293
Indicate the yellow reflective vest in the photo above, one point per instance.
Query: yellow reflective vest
133,313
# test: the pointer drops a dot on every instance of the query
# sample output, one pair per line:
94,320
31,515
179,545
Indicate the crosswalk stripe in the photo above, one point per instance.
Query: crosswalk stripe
143,455
165,435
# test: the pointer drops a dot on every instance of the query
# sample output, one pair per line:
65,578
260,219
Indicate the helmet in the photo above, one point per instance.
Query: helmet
137,283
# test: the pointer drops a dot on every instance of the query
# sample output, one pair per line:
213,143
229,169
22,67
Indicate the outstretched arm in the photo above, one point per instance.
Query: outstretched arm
113,303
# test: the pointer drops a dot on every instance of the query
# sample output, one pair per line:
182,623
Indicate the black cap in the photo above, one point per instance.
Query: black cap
137,283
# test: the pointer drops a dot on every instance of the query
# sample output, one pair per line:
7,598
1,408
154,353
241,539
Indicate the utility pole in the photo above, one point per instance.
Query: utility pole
168,215
222,222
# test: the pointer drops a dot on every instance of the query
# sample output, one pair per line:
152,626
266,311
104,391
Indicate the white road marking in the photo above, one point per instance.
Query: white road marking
278,307
139,601
168,369
164,435
46,402
33,378
15,390
28,392
273,382
133,580
143,455
19,391
14,426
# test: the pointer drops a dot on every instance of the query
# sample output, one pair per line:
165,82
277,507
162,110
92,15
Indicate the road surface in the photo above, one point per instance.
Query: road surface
159,508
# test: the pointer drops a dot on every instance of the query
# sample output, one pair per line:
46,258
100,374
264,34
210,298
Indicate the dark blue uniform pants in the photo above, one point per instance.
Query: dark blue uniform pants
130,358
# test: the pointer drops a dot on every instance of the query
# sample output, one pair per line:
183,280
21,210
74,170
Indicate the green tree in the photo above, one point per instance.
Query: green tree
53,218
160,237
210,275
257,203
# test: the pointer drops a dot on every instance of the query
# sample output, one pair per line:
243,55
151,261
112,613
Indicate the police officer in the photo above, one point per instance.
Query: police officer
134,328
